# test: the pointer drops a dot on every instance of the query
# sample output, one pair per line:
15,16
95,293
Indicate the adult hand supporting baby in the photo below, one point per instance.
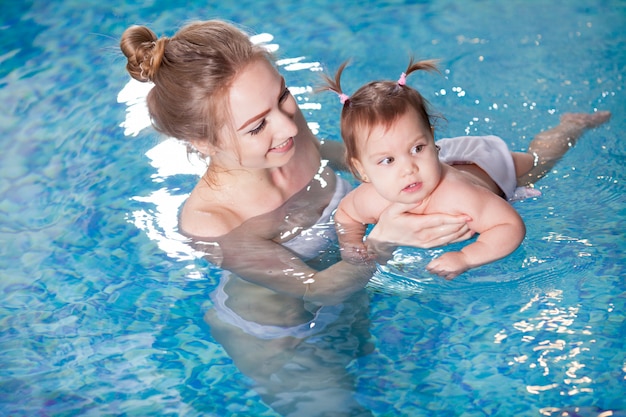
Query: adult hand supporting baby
396,227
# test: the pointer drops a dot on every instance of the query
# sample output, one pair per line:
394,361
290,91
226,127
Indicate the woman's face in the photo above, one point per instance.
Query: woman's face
263,112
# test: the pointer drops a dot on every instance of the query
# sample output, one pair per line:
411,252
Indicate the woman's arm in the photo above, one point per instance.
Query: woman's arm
395,226
269,264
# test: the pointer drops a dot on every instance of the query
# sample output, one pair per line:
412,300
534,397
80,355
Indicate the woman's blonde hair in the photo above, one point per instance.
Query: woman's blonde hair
192,73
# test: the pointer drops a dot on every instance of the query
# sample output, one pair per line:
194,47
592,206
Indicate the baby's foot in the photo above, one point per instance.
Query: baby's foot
586,120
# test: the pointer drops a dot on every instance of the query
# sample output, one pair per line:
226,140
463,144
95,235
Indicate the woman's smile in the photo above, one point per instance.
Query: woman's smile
283,147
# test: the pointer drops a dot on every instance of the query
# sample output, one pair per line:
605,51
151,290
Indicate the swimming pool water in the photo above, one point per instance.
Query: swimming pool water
102,310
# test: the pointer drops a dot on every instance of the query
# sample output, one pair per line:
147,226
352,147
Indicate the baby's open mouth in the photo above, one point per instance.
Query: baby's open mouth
413,186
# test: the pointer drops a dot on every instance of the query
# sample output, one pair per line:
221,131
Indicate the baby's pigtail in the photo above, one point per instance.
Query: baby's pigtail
425,65
334,85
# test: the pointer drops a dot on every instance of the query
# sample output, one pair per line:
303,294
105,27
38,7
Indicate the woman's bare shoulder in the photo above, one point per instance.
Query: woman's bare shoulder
199,218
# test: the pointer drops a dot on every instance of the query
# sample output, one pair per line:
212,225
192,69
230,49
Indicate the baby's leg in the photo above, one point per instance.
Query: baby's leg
523,162
548,147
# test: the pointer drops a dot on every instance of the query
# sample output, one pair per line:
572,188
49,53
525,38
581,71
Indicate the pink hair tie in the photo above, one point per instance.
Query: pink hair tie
343,98
402,79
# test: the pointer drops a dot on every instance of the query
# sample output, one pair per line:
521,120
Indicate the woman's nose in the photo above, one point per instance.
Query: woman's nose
288,115
288,124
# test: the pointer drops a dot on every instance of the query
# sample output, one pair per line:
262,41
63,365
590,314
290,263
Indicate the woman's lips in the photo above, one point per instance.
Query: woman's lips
283,147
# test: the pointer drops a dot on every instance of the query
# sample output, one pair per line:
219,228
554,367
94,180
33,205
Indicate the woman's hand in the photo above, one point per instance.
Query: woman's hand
397,227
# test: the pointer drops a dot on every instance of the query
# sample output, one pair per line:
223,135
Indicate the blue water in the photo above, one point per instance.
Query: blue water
102,310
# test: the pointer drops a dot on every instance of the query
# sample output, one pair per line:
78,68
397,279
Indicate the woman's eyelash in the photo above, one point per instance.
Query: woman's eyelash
259,128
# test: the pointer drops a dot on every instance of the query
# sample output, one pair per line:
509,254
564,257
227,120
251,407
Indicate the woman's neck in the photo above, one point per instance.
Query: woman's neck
288,178
244,179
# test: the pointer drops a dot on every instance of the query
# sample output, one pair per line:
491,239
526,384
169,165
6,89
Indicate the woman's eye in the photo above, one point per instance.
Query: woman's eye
284,96
259,128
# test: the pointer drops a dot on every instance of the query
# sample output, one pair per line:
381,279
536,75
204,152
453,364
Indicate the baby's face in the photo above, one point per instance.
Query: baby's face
401,161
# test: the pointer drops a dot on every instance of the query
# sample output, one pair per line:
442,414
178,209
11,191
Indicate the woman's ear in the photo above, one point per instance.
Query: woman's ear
203,146
359,169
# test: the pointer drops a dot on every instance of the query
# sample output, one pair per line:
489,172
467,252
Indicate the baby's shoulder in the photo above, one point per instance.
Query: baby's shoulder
458,181
365,201
457,190
366,193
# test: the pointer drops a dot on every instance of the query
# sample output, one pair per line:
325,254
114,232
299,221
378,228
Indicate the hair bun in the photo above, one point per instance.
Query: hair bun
144,52
157,53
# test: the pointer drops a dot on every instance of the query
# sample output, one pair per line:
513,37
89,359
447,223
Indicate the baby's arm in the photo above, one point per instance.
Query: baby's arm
362,206
500,227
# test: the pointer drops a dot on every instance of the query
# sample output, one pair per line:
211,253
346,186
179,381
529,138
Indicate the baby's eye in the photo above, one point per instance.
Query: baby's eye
386,161
417,149
259,128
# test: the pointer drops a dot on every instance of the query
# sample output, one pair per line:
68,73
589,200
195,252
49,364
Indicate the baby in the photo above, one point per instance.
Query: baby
388,132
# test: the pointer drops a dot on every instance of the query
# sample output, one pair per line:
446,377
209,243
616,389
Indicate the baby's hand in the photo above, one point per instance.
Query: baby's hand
355,253
449,265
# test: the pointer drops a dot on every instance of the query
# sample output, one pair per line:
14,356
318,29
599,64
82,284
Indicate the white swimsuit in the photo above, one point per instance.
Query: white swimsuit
316,239
309,244
492,155
323,317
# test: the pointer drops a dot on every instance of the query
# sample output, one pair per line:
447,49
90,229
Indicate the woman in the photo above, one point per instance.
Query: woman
261,211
